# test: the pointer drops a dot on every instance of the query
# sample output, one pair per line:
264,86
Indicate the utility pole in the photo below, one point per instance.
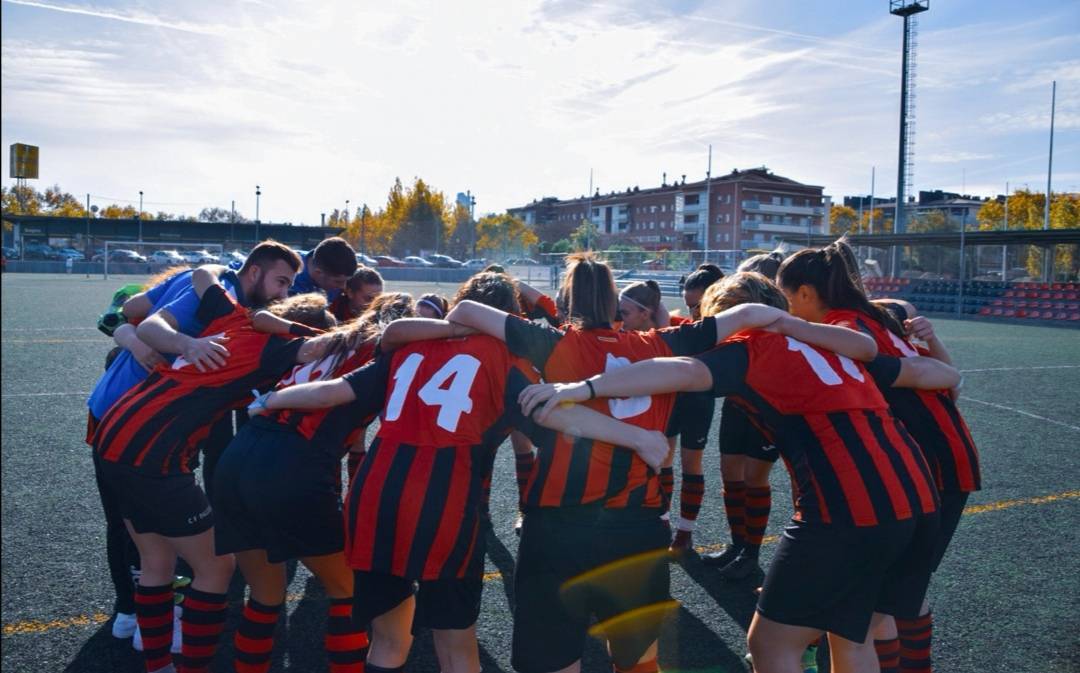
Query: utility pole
708,206
258,193
588,215
363,229
139,216
1048,266
232,222
89,249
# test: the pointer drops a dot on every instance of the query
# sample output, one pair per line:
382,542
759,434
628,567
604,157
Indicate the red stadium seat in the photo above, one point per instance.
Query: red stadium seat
1061,315
1010,293
1020,313
1074,316
1008,313
985,310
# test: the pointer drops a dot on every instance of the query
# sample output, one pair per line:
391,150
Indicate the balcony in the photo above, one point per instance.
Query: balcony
754,225
761,207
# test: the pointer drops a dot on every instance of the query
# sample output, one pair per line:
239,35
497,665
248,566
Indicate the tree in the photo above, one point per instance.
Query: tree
585,237
115,212
503,233
843,220
215,214
561,247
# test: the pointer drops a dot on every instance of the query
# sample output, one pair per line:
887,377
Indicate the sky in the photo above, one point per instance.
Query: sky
196,103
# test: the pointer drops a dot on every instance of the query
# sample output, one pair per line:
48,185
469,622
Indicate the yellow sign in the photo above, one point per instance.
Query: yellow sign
24,161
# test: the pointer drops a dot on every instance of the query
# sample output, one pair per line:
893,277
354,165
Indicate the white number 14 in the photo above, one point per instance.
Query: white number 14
452,401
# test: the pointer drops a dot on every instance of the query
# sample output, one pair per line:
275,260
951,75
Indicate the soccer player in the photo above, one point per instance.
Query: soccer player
360,290
416,506
819,288
147,442
433,306
127,365
591,505
865,506
327,269
746,459
278,497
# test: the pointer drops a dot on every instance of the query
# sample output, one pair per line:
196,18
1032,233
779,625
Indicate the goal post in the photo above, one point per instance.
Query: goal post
149,257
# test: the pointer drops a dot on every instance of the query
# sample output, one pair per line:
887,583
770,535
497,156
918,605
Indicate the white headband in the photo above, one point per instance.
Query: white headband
630,299
438,309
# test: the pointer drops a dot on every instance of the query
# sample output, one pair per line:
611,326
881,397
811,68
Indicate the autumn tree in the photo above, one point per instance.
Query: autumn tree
503,234
843,220
216,214
585,237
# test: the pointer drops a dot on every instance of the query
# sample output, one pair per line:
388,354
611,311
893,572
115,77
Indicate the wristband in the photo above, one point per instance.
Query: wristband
259,403
592,391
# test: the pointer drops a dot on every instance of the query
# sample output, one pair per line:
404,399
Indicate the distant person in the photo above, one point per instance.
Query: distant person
360,290
326,269
432,306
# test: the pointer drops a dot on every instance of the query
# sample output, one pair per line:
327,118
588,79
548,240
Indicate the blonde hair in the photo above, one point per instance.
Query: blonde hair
744,287
369,325
307,309
164,275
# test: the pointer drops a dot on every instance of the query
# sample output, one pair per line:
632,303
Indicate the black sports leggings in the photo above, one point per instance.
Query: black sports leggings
120,551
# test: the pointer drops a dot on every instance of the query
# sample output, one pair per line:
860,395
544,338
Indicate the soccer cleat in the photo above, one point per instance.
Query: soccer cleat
517,524
124,625
719,559
744,565
683,541
177,634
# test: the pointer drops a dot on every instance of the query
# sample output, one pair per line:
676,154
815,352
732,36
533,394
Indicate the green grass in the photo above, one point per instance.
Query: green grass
1006,598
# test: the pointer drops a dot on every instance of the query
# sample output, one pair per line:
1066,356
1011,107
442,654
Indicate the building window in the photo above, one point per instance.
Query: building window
652,209
690,218
663,207
692,199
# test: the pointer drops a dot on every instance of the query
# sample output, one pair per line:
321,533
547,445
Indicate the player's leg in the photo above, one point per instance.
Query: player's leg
450,608
253,641
667,474
154,597
121,555
850,657
777,647
757,506
457,650
346,642
691,493
391,637
886,643
524,461
205,603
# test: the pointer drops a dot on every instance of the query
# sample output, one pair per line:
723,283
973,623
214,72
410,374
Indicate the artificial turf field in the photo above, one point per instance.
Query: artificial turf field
1007,597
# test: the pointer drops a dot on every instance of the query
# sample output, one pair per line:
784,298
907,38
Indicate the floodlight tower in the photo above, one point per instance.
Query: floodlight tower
907,9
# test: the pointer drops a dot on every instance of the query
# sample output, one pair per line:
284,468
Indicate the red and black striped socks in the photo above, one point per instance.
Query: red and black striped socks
254,638
667,484
346,645
691,493
758,505
888,655
523,467
915,639
735,508
154,614
202,622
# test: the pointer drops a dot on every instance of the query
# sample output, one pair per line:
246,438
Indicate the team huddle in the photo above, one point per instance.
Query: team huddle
270,374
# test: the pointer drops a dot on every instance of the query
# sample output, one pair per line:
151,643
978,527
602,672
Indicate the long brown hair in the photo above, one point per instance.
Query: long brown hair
496,290
307,309
590,290
645,294
164,275
369,325
744,287
827,271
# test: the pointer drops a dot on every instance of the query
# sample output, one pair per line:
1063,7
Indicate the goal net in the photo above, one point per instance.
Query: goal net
149,257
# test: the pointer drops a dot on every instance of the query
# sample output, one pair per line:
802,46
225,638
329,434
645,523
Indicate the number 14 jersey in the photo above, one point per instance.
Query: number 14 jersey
415,506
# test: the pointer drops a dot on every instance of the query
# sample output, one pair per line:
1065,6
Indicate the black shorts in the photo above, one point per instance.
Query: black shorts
440,604
834,578
952,508
170,505
691,418
740,437
273,490
575,563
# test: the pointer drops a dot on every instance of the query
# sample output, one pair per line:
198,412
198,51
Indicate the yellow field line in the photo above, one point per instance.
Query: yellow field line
36,627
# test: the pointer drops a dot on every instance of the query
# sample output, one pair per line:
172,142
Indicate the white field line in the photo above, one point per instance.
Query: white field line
49,329
67,394
1016,369
1022,413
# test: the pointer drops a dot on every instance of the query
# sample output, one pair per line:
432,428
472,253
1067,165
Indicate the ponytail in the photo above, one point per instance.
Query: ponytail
703,277
590,290
827,270
645,294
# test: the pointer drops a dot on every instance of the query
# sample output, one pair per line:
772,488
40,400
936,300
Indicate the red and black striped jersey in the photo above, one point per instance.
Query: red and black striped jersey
158,425
341,309
930,416
416,503
332,429
852,463
577,470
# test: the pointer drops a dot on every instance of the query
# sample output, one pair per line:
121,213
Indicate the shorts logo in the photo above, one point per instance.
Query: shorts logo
768,447
200,516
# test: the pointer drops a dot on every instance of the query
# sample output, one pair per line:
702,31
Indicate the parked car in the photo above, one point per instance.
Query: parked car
445,261
124,255
361,258
413,260
72,253
521,261
170,257
654,264
10,253
39,251
198,257
387,260
476,264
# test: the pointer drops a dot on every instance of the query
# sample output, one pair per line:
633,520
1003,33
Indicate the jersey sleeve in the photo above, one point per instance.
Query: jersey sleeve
215,303
690,338
368,383
528,340
543,309
728,365
517,380
183,309
885,369
279,355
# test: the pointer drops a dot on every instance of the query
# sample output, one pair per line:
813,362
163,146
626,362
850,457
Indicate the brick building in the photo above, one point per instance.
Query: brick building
742,210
